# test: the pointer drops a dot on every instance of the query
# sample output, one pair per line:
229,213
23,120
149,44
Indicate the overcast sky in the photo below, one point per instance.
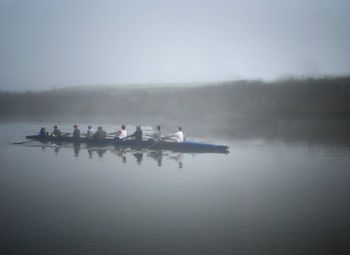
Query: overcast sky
65,42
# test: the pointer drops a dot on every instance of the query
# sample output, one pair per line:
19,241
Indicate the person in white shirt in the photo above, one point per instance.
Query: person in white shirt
179,135
90,132
120,134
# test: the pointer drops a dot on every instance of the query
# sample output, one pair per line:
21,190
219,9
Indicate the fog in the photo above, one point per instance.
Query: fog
53,44
312,110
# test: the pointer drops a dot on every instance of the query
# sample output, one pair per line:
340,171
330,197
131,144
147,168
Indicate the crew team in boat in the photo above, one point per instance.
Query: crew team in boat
119,135
155,141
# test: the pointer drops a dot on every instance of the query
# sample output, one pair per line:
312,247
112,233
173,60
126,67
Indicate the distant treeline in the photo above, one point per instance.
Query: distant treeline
312,98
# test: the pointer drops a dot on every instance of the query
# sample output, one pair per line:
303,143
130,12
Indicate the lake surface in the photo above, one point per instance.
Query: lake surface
264,197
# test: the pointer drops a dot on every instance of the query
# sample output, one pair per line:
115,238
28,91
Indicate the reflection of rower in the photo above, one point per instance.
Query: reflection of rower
56,150
139,157
157,155
90,154
124,158
178,158
76,149
120,153
99,152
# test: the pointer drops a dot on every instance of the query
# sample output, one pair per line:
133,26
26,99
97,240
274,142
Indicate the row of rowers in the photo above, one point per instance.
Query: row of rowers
121,134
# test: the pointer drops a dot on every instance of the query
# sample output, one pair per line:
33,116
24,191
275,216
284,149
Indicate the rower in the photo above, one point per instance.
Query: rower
42,132
157,136
90,132
179,135
120,134
137,134
100,134
76,132
56,132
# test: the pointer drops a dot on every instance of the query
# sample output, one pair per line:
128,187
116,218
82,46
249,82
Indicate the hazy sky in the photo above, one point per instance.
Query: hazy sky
66,42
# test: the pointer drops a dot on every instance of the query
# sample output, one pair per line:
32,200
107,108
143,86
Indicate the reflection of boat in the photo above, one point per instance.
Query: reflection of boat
146,144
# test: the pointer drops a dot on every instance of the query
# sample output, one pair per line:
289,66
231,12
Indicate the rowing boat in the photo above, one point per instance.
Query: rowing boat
187,146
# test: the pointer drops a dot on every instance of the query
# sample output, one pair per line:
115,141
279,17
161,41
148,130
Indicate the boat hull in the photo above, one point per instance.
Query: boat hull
187,146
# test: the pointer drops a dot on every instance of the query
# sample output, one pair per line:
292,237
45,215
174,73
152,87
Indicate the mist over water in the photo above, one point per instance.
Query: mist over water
284,182
312,110
264,196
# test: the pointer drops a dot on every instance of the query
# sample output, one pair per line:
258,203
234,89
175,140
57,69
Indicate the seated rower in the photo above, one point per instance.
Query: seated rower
157,136
179,135
120,134
56,132
90,132
137,134
100,134
42,132
76,132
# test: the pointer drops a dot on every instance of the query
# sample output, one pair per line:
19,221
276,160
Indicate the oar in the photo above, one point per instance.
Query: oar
24,142
162,139
152,145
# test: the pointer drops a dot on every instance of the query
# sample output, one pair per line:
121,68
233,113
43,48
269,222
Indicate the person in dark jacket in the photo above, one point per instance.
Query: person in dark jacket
137,134
100,134
42,132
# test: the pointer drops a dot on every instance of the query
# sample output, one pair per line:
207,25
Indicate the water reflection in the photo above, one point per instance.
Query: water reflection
178,158
156,155
56,150
139,157
76,147
99,151
123,154
257,193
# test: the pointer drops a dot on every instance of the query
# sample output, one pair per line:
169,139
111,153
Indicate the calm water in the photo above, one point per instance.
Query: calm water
264,197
